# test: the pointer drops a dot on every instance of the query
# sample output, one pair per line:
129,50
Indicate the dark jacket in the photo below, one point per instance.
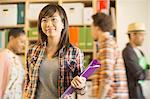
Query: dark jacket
134,72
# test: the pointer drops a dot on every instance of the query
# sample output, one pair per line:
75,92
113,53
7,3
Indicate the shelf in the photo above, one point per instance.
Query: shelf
32,38
40,1
76,0
87,50
17,26
11,1
87,3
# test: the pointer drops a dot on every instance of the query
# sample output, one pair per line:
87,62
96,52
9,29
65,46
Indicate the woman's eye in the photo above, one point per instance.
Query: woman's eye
54,19
44,20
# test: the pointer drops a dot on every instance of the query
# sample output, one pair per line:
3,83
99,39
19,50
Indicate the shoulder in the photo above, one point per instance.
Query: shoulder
73,49
33,49
5,53
128,49
109,42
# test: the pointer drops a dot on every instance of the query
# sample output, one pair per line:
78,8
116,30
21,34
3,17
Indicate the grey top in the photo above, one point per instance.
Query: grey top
47,87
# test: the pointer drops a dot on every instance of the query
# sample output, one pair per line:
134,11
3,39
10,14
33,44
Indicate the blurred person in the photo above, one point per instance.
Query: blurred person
135,62
11,66
109,81
53,64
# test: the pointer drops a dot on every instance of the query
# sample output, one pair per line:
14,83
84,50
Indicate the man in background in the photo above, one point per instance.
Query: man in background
11,68
137,67
109,81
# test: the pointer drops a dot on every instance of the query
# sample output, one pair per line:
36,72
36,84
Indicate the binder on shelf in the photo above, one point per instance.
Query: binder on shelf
33,33
2,39
21,13
89,71
103,6
74,34
89,39
82,38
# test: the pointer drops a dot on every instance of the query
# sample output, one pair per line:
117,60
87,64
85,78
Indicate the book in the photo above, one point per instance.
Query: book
73,35
86,73
20,13
89,39
82,38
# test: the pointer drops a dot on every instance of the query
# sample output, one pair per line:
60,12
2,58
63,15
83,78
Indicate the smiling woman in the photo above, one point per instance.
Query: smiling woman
53,25
56,63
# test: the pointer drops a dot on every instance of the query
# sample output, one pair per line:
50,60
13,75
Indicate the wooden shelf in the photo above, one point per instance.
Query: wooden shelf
36,1
17,26
87,3
11,1
32,38
76,0
87,50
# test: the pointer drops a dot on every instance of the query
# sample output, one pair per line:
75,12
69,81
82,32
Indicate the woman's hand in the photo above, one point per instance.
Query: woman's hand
78,82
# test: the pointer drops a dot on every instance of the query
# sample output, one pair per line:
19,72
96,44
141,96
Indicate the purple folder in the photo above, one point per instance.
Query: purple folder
89,71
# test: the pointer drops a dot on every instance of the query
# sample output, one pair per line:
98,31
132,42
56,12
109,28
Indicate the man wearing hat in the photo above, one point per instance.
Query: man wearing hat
136,66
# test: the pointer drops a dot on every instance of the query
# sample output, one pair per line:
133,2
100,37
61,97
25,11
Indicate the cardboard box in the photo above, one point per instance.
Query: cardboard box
88,12
8,14
34,10
74,13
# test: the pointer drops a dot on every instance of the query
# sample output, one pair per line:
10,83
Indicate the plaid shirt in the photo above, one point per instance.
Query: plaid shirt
111,72
70,61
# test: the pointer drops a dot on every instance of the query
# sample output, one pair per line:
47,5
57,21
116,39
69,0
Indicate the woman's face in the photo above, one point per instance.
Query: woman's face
18,43
52,26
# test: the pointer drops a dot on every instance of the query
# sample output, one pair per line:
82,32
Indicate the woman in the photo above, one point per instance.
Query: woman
53,63
11,66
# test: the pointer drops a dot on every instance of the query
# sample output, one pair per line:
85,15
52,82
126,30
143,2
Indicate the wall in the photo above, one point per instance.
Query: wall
129,11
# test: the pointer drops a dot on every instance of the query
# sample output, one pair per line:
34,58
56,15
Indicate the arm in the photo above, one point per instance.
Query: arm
107,69
79,82
95,83
4,74
132,65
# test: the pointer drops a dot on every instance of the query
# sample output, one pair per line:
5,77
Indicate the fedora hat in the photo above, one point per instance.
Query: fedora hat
136,27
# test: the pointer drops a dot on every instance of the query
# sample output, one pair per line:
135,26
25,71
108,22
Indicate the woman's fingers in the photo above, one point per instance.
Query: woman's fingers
78,82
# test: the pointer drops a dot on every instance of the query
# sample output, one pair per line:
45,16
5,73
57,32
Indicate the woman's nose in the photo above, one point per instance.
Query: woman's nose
49,23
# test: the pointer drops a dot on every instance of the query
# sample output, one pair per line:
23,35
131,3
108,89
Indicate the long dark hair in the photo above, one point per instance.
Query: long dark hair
49,10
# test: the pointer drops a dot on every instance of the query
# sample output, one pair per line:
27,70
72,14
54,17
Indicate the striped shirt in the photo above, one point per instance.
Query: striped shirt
70,61
112,71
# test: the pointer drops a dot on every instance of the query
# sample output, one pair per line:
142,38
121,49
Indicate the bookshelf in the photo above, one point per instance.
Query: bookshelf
16,26
30,23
